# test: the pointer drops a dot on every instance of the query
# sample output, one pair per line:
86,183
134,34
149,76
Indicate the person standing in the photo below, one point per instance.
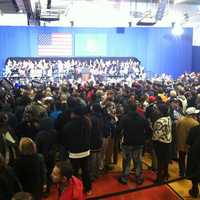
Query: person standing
96,140
183,127
162,138
134,129
30,169
76,137
193,161
9,184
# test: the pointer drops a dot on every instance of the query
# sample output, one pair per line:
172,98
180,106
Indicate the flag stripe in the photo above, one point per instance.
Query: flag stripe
56,48
55,54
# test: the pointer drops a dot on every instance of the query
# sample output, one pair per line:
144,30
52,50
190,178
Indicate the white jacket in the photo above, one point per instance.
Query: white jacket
162,130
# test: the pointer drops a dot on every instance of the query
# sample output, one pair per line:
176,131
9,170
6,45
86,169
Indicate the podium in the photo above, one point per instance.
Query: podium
85,75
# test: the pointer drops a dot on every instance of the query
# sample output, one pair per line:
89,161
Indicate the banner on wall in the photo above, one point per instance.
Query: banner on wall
196,36
55,44
90,44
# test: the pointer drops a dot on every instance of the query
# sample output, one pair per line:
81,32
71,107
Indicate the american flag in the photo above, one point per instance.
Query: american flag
55,44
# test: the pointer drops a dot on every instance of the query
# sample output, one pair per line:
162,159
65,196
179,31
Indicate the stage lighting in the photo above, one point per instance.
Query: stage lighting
177,29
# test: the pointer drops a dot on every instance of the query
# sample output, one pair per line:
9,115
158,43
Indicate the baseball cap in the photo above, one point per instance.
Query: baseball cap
192,111
152,99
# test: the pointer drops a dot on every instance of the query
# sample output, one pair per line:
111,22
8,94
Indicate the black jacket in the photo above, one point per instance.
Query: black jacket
134,129
193,162
76,136
9,184
96,131
27,129
31,171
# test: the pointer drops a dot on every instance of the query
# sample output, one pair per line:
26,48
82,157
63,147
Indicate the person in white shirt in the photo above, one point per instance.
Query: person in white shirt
162,138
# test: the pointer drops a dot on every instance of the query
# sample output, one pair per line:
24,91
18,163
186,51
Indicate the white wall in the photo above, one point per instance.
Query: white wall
196,35
13,20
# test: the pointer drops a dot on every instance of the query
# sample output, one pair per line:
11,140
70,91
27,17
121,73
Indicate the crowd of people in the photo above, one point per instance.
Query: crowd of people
98,69
49,132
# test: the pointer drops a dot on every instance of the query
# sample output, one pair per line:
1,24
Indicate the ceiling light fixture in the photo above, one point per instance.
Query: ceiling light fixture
179,1
177,29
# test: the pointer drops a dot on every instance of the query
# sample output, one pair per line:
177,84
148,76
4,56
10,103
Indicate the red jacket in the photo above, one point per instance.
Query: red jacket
74,191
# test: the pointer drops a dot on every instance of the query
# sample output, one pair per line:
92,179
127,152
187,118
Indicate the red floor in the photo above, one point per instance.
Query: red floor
109,183
155,193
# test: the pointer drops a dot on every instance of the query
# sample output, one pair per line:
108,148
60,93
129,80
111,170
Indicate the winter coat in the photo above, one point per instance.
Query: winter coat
31,171
183,127
193,162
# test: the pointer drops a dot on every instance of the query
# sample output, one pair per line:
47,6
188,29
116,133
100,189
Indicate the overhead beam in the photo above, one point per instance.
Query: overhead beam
195,2
20,5
49,4
15,5
27,5
30,13
161,9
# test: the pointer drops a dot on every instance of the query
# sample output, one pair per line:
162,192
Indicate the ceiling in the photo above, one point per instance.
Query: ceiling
106,12
8,6
13,6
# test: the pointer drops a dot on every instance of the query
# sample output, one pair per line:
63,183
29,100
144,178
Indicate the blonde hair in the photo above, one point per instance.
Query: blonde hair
27,146
22,196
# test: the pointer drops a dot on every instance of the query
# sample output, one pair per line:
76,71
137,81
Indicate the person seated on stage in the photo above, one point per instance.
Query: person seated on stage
22,196
69,187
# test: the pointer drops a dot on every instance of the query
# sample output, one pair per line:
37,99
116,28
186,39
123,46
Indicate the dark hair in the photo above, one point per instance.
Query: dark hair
72,102
79,110
3,118
65,168
164,109
22,196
